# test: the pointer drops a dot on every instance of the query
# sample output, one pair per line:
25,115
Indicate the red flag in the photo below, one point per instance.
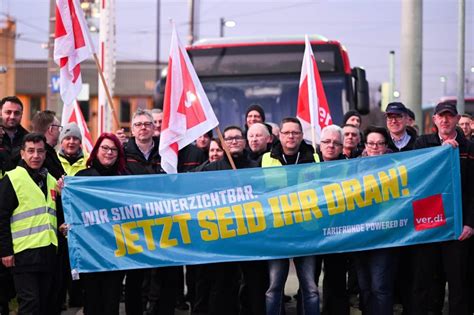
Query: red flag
313,110
72,45
77,117
187,113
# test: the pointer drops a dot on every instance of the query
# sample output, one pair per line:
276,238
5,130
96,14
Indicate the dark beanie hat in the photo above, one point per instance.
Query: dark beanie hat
349,114
257,108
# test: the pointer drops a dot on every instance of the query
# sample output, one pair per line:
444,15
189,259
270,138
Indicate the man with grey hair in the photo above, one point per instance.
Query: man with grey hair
142,157
259,140
351,142
335,298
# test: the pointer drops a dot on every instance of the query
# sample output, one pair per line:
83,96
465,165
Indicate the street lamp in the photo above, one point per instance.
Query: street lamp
444,81
225,23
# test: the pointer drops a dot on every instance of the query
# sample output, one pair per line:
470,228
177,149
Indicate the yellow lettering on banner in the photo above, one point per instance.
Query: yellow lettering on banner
130,238
372,190
389,184
239,220
211,233
291,206
146,226
165,240
353,192
255,216
334,199
182,220
309,204
223,222
120,251
277,216
402,170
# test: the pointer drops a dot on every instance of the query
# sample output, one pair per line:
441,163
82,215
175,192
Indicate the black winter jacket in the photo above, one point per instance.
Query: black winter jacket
412,133
466,155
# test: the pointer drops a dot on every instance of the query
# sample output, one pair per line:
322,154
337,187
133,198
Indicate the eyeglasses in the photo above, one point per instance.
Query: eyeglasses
376,144
394,117
231,139
291,133
334,143
107,149
59,126
146,124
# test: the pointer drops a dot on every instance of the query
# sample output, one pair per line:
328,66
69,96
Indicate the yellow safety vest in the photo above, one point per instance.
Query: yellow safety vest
277,178
79,165
268,161
33,223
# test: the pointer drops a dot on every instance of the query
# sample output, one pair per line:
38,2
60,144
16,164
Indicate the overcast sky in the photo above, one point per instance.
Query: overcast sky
368,28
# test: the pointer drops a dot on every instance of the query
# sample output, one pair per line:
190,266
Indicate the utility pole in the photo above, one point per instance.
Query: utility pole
51,98
193,21
158,20
411,56
461,46
391,74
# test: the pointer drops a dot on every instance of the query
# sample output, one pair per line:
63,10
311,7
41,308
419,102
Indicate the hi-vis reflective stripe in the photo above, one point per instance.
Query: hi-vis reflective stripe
31,213
33,230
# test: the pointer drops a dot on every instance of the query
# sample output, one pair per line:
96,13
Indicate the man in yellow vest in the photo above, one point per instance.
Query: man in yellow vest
291,150
71,155
28,226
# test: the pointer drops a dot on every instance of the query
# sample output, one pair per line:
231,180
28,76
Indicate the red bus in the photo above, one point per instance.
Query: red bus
238,72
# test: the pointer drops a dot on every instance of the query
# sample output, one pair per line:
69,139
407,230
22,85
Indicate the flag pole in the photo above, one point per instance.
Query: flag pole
226,149
106,88
313,134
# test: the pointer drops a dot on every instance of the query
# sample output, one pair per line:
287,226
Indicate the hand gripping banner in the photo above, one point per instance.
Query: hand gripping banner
128,222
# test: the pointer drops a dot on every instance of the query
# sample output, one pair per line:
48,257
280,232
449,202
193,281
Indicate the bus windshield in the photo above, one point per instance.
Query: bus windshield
278,95
261,60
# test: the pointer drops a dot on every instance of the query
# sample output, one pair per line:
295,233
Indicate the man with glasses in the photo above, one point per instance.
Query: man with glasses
217,285
142,157
46,123
291,150
402,136
335,298
12,111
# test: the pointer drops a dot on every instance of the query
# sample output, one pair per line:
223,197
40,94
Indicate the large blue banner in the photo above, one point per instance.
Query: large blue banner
132,222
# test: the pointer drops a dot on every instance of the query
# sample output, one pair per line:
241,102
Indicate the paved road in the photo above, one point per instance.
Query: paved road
290,289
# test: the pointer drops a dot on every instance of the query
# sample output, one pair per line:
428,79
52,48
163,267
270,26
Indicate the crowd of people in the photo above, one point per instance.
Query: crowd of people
34,250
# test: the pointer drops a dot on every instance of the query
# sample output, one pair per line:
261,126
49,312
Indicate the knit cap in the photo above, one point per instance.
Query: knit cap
70,130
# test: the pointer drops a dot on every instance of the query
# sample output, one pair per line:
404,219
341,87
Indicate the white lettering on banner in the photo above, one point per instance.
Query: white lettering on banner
196,202
365,227
169,206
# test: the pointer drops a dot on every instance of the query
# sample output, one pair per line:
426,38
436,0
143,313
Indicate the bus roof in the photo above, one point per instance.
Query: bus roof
259,40
210,43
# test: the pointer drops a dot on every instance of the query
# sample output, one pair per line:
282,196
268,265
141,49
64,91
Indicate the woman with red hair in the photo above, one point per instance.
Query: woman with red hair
102,289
